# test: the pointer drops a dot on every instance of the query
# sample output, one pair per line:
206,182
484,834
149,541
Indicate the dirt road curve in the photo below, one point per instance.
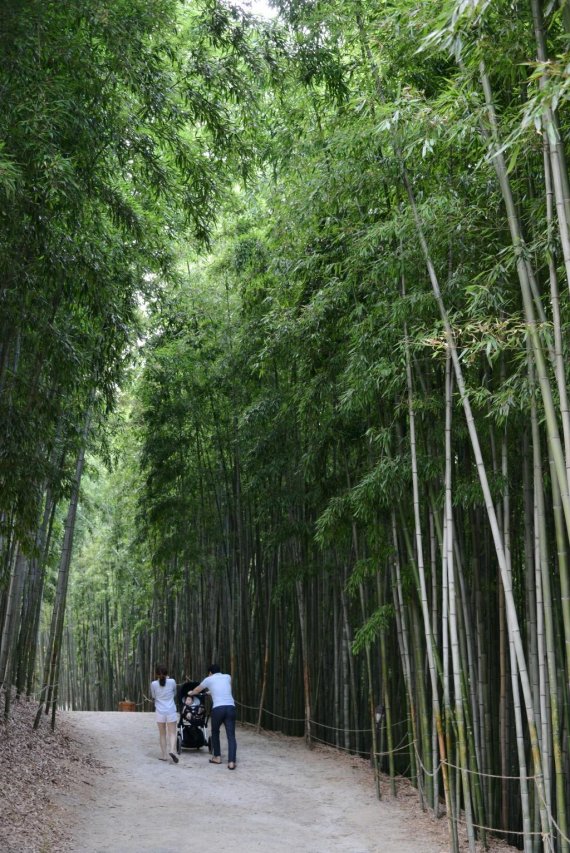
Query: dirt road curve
281,798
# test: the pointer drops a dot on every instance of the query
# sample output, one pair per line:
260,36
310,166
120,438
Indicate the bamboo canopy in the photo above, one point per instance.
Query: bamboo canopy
284,335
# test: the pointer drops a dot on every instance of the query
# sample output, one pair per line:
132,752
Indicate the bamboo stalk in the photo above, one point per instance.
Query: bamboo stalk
423,589
455,652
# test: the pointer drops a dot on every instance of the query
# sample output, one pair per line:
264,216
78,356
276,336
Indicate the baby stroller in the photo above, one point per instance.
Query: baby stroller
192,731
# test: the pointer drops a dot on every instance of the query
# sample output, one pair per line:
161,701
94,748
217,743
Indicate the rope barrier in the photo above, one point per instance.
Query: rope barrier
405,721
431,773
333,745
392,752
488,775
36,694
468,770
398,748
494,830
40,694
460,821
505,778
551,819
249,707
315,722
334,729
278,716
560,833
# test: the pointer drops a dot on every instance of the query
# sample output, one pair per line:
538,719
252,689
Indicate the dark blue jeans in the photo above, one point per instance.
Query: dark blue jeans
225,714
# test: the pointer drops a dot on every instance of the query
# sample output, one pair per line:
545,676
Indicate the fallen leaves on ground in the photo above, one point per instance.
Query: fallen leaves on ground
41,773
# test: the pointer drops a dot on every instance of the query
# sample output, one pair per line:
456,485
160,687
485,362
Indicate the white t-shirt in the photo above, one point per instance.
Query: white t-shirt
220,686
163,696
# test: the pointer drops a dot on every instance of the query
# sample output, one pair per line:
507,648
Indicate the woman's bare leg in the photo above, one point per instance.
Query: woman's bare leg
172,741
162,736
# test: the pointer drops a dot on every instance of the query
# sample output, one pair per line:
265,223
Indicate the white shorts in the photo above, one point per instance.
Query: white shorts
166,718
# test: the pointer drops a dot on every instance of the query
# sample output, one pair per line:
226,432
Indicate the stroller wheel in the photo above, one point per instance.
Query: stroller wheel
209,744
178,743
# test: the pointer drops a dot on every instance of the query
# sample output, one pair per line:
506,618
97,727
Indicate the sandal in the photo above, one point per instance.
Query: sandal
174,757
231,766
213,761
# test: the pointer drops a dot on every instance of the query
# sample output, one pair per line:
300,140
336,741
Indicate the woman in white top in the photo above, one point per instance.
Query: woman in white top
223,711
163,691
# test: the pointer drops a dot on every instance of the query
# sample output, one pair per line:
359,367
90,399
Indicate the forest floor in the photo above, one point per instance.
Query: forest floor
96,785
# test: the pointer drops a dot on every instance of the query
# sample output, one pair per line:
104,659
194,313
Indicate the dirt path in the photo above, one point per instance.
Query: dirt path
281,797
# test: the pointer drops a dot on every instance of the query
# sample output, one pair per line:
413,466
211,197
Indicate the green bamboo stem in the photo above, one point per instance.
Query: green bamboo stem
454,636
386,693
521,751
422,580
404,643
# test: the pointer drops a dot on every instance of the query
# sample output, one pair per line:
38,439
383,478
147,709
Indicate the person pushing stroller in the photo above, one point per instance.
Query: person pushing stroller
219,685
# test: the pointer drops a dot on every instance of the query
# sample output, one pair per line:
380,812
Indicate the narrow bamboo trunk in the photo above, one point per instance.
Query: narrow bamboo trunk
404,643
11,612
551,735
435,629
266,654
386,692
503,709
525,804
49,689
423,590
455,652
367,652
305,658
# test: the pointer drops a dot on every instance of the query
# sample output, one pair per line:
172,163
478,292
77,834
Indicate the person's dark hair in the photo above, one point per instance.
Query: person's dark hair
213,668
161,673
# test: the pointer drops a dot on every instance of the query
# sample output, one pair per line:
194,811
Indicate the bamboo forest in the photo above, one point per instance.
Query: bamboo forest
284,339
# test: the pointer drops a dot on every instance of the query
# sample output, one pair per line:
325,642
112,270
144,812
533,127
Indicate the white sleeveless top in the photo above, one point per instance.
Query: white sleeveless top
163,696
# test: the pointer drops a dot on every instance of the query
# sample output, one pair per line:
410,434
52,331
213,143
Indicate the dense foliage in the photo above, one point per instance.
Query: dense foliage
339,461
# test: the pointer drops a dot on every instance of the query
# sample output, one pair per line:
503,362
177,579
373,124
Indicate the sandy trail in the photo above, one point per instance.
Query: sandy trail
281,797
